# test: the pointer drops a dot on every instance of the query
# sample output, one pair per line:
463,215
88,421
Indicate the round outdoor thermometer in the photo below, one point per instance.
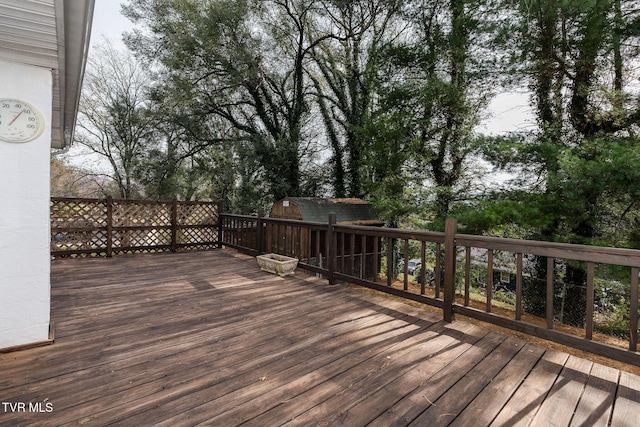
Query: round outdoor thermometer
19,121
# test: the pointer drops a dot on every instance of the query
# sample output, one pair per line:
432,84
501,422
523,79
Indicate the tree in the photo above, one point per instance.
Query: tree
347,37
432,88
575,56
238,66
113,119
71,181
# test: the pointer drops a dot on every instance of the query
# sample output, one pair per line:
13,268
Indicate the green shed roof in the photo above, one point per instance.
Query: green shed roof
348,211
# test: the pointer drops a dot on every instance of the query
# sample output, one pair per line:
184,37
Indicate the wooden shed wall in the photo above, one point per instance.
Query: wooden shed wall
292,211
316,209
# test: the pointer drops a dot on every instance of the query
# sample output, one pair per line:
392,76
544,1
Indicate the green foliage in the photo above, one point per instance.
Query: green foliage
382,100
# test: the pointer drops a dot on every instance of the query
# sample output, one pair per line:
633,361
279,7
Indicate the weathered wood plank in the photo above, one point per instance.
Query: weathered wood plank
524,403
405,410
486,405
213,394
626,411
375,383
136,369
188,338
565,393
449,405
286,393
596,404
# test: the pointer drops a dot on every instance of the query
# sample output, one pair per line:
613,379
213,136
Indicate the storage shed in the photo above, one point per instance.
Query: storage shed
311,246
316,209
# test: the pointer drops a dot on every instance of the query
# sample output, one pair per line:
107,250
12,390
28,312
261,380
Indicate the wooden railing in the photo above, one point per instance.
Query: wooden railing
104,227
450,265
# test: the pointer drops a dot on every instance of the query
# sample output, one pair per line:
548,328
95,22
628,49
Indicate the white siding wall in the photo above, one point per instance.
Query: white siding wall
24,215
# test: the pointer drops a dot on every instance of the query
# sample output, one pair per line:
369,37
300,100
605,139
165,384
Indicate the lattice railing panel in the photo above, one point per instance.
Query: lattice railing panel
197,214
133,213
78,226
197,235
89,240
141,238
67,213
90,227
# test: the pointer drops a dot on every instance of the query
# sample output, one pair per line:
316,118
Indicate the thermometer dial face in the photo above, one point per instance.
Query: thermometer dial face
19,121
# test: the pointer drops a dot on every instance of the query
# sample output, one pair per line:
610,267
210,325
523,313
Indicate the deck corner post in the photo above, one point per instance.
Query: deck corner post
259,231
109,203
451,227
333,248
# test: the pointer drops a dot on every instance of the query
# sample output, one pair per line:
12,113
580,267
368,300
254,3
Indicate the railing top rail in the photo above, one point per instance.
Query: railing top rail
293,222
296,222
230,215
78,200
596,254
427,236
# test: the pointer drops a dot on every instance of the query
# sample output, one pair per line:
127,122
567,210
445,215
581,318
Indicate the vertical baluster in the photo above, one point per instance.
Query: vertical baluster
318,255
467,274
333,247
590,296
518,286
450,256
292,249
343,247
258,234
243,233
389,261
109,202
285,240
438,275
550,268
423,266
326,250
275,228
376,259
363,256
633,308
489,287
406,264
292,241
236,229
247,228
352,257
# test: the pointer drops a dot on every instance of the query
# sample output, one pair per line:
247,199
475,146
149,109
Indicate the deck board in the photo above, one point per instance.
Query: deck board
206,338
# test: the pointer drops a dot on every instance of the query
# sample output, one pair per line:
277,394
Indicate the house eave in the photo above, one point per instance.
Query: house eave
51,34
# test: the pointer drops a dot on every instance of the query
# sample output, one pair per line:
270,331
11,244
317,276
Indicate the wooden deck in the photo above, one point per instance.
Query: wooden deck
207,338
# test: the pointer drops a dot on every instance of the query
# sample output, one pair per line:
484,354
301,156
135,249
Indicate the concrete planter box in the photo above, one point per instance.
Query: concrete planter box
277,264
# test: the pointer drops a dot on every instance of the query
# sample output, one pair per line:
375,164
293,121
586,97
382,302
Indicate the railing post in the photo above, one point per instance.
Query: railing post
109,202
259,231
174,225
333,248
450,230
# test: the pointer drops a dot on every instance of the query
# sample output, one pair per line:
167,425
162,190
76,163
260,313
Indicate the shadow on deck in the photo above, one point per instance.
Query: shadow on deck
205,337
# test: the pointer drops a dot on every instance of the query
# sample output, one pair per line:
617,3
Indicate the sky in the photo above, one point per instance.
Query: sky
108,22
